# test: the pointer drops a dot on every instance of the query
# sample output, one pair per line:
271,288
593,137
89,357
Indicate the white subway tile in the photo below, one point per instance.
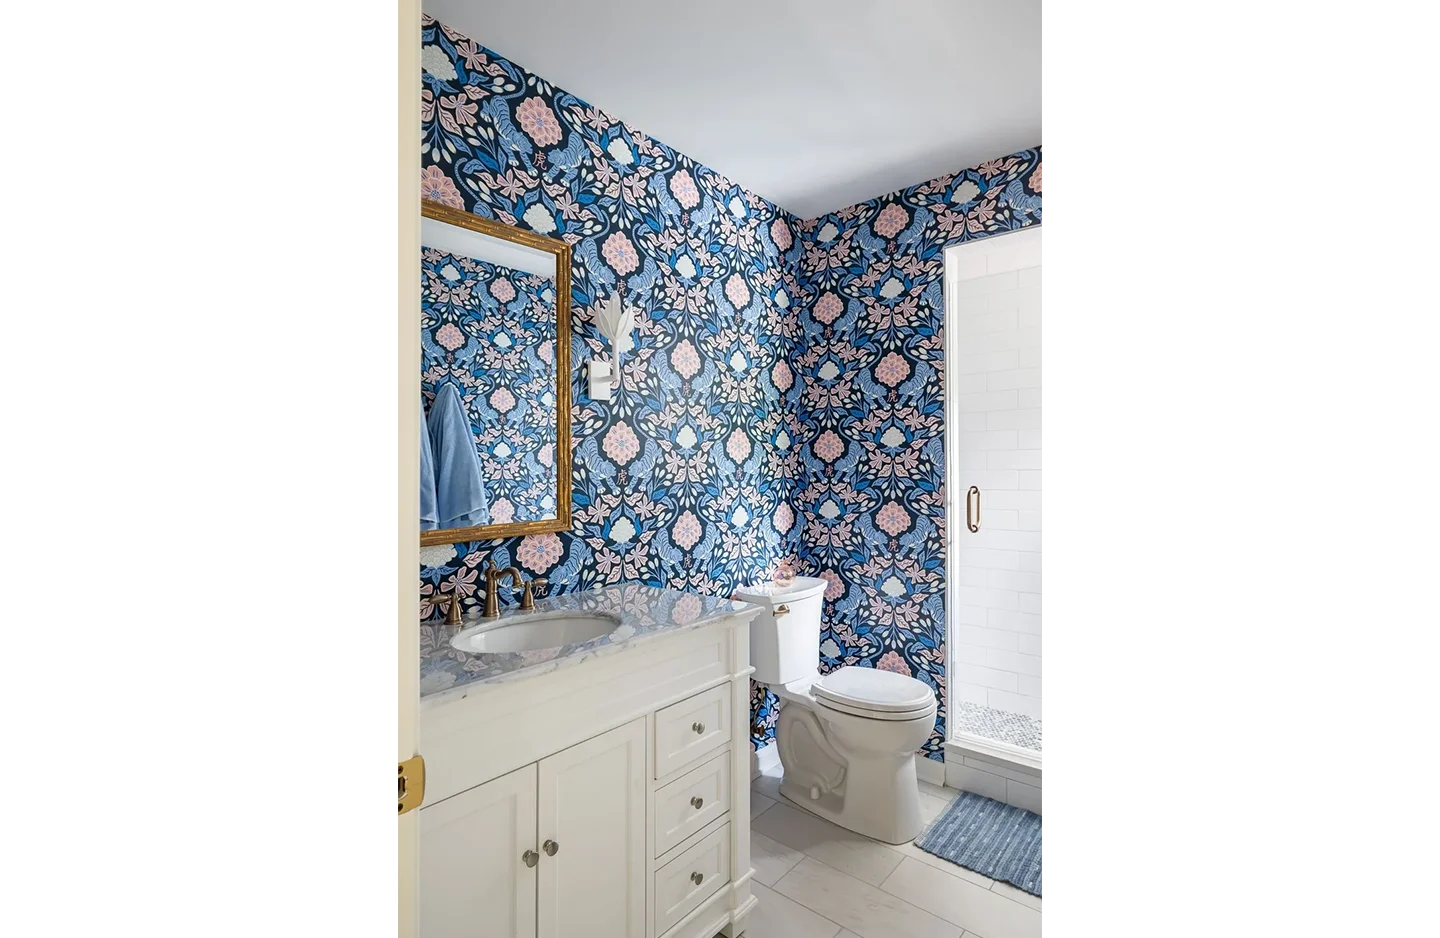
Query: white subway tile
972,364
970,325
989,559
1021,459
988,440
1029,521
1029,480
971,460
997,479
1011,661
1029,685
1028,397
971,693
989,638
1013,580
1028,560
1027,438
970,615
1030,602
1029,644
979,286
970,264
970,654
989,678
993,600
967,778
1028,357
1017,378
1014,620
999,518
1012,540
1029,277
976,420
973,576
1028,419
1012,703
990,400
1003,361
972,383
1018,500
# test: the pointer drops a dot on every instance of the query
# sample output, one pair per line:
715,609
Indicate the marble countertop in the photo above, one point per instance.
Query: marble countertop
644,612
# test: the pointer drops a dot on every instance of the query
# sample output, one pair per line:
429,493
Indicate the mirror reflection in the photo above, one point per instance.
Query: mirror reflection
494,369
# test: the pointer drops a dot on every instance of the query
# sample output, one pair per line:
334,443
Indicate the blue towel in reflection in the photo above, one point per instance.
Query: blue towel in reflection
429,519
459,490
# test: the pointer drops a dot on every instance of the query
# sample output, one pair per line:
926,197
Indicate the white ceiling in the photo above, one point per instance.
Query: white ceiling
813,104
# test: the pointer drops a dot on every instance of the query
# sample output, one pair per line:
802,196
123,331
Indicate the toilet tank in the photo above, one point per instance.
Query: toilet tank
785,637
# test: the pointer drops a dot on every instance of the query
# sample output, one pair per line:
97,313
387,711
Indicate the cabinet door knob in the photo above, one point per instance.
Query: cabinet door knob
550,847
531,858
698,727
697,802
697,878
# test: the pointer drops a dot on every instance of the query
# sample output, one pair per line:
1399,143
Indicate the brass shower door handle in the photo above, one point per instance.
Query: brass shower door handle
972,509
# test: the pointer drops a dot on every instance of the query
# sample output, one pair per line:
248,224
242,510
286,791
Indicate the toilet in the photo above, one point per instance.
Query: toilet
847,740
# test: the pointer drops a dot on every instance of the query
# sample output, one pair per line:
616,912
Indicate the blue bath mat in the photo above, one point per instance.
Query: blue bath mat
990,837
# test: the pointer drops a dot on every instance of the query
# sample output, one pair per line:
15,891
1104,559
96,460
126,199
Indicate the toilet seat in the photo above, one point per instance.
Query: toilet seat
873,694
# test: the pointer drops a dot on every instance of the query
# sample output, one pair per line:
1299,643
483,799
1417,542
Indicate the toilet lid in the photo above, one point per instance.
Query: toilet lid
872,690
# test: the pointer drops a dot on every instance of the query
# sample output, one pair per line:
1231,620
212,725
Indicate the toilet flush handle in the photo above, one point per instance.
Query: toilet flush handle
782,610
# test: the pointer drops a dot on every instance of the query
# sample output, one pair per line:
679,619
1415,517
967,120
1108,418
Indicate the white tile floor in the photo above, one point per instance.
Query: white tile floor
817,880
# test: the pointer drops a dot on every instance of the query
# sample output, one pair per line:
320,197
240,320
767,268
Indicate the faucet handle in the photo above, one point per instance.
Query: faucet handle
527,598
452,614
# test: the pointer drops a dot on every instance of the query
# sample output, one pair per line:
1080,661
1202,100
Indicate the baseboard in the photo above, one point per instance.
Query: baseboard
763,759
929,770
995,770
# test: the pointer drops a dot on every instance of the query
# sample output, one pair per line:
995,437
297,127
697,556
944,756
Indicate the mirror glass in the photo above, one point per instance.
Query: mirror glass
494,346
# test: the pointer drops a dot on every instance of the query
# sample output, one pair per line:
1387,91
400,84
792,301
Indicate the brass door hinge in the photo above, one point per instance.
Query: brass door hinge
412,783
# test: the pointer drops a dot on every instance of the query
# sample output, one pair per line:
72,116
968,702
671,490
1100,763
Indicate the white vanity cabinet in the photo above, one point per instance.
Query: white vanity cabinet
608,799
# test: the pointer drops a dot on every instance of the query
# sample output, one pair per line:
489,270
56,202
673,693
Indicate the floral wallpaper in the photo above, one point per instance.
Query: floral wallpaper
870,502
683,479
784,398
490,330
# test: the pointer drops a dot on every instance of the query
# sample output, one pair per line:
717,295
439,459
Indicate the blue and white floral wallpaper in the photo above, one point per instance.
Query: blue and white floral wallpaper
490,331
785,396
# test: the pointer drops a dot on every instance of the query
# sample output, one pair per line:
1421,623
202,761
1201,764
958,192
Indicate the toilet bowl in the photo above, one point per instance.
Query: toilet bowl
846,740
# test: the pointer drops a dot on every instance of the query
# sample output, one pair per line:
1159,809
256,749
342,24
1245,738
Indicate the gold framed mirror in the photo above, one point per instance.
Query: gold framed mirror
495,379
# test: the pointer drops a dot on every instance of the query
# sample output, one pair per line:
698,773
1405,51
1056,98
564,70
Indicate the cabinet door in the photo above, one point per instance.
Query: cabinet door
473,879
592,809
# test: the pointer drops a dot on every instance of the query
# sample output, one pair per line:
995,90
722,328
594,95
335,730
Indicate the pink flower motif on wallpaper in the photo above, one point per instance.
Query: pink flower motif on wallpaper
538,121
736,291
546,456
893,369
540,552
684,359
890,661
738,446
621,444
502,400
682,187
828,308
449,336
619,253
686,530
892,519
437,187
502,289
546,351
892,219
1035,178
782,377
784,518
829,446
835,587
502,511
780,234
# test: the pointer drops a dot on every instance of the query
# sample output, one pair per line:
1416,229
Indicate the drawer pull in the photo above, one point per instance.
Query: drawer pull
697,802
697,878
699,728
782,610
550,847
530,857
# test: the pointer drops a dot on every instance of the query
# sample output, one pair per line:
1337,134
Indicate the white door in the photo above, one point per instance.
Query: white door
992,347
475,879
407,409
592,816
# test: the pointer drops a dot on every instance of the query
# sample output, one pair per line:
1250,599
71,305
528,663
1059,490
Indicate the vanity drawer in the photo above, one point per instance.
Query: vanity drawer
691,878
687,730
676,813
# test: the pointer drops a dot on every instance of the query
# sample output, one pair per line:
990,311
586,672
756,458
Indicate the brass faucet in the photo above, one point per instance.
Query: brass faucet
452,615
494,575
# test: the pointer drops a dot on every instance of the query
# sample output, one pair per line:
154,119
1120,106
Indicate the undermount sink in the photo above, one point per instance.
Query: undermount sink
533,632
